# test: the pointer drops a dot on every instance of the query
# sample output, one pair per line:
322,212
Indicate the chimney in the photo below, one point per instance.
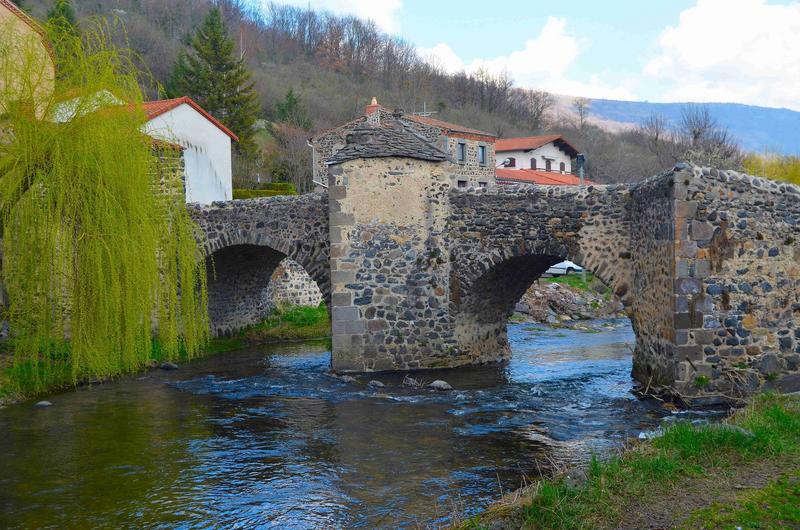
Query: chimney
372,107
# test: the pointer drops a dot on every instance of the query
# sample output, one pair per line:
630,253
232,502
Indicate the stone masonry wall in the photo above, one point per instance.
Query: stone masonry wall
737,284
291,285
501,240
652,243
388,272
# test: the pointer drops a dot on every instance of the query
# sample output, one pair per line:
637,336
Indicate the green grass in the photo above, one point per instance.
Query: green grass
291,323
650,469
574,280
775,506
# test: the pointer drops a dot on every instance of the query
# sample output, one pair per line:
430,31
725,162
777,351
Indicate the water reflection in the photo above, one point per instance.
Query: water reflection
264,438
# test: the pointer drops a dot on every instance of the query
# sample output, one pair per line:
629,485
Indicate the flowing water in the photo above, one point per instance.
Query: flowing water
263,437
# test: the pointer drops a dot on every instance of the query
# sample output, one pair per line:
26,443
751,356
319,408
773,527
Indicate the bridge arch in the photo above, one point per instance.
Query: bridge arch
502,241
244,241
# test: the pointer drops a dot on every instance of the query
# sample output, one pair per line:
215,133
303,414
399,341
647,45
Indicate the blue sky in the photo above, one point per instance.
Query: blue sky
745,51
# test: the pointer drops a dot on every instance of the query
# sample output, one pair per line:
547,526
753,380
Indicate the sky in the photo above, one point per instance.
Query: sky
740,51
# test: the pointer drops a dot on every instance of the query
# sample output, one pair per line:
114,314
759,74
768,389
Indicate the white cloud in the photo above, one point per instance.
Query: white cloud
744,51
542,63
383,12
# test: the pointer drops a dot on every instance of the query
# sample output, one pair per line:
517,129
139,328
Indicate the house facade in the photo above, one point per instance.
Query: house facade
471,157
550,153
205,143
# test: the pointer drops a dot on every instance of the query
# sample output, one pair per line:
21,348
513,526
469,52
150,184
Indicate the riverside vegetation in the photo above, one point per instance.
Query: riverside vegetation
744,472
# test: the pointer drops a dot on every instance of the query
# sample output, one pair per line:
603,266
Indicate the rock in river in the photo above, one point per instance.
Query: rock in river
169,366
440,385
43,404
375,383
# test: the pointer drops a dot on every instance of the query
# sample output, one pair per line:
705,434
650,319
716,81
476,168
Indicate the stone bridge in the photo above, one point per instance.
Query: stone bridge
706,263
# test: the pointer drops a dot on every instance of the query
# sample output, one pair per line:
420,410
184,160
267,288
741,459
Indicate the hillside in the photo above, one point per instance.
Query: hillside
337,64
757,129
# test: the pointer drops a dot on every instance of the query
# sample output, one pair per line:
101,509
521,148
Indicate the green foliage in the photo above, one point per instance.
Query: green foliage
701,381
62,14
211,75
269,189
292,111
97,244
774,167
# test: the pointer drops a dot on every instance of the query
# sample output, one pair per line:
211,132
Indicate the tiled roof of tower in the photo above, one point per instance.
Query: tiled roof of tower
154,109
534,142
450,127
391,138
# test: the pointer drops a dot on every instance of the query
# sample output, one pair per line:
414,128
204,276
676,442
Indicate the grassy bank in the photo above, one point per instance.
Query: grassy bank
744,473
288,323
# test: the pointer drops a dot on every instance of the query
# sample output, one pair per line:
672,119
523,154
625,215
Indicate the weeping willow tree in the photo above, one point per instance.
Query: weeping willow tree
100,258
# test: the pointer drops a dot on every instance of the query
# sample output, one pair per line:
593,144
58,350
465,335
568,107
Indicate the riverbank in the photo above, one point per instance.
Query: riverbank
285,324
744,472
564,298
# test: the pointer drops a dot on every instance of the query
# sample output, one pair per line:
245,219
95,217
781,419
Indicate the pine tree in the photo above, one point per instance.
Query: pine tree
292,111
211,74
63,14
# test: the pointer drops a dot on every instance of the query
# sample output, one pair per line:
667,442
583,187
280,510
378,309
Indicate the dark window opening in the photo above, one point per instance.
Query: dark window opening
562,166
462,183
461,151
512,162
533,163
482,155
482,184
548,166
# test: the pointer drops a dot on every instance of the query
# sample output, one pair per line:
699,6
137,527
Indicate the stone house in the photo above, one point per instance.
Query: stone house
471,157
551,153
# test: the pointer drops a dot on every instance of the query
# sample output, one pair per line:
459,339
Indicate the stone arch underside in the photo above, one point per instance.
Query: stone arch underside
502,241
246,240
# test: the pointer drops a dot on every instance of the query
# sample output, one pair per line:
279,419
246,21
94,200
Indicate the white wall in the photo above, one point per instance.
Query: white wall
547,150
207,153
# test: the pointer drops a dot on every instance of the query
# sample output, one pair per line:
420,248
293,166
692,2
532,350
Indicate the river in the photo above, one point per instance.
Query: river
263,437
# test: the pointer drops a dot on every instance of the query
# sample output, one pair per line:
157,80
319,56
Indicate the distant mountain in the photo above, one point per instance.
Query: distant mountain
756,128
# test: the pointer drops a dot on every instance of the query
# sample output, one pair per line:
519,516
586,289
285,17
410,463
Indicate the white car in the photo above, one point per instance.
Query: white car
563,268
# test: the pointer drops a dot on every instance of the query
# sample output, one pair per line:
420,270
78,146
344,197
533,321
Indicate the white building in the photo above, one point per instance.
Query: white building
206,146
550,153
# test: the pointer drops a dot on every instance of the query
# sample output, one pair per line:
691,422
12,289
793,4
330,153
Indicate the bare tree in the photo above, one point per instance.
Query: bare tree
704,141
581,106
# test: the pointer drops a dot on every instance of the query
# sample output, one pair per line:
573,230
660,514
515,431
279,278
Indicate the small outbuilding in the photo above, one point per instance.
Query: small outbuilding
206,145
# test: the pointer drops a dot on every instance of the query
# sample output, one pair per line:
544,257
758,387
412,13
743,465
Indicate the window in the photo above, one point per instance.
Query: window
512,162
482,184
462,183
482,155
461,152
547,166
562,167
533,163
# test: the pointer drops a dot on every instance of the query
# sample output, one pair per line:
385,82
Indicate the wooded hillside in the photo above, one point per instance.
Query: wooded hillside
334,65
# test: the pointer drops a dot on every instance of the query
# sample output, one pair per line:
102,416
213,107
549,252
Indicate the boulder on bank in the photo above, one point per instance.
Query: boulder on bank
551,302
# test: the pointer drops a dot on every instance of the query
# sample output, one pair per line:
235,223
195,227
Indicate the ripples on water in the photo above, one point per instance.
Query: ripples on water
265,438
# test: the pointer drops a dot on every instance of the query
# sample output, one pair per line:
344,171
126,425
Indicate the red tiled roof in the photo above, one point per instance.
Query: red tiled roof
11,6
532,176
154,109
427,120
528,143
